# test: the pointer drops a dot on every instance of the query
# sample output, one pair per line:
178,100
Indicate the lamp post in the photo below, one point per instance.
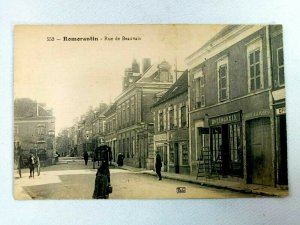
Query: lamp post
87,139
51,134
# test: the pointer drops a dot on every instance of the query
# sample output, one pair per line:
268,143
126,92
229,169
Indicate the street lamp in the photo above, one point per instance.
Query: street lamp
87,139
51,134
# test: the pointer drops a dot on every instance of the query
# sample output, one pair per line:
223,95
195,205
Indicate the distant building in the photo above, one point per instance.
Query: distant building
171,134
34,128
133,115
111,129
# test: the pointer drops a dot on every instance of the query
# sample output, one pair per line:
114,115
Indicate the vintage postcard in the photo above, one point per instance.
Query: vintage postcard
149,112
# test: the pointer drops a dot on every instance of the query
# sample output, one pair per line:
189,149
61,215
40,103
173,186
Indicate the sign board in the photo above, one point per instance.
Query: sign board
224,119
280,111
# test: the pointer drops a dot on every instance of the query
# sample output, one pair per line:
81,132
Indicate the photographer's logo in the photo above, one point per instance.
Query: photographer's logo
180,190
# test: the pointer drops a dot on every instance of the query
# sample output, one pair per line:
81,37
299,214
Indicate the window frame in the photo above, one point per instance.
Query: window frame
279,67
252,47
223,62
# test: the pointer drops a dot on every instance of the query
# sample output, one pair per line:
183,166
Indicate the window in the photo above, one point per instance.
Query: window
171,119
41,129
202,100
280,63
16,130
183,116
216,143
235,143
254,59
199,83
223,84
161,121
255,76
171,154
185,154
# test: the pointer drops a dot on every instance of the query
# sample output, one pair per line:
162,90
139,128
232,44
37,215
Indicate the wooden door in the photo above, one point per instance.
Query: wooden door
259,151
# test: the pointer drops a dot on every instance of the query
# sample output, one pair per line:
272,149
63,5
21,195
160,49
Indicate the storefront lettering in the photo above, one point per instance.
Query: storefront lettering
280,111
257,114
235,117
160,137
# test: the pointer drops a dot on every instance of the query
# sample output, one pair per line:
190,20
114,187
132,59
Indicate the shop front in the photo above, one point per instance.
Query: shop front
226,144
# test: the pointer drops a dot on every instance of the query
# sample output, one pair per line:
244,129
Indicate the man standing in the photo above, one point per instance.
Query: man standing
86,157
158,165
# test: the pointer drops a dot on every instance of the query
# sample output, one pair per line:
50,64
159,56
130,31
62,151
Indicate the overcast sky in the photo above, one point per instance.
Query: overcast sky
71,76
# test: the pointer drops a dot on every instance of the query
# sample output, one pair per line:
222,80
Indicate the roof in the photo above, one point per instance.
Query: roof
111,110
179,87
226,30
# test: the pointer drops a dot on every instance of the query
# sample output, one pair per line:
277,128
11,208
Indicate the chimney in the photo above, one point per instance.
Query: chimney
146,64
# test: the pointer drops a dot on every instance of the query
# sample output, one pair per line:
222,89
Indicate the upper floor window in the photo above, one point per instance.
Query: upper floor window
223,84
41,129
16,130
171,119
161,121
280,63
255,76
199,85
183,116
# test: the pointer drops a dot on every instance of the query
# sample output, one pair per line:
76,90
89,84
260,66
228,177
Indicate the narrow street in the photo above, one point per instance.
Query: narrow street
74,180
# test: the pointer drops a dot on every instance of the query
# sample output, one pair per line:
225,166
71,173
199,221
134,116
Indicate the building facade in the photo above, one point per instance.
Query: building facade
34,129
278,94
231,105
111,130
171,135
133,115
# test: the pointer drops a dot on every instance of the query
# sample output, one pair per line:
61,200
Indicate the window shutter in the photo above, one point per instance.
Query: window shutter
179,115
187,114
165,118
168,116
175,115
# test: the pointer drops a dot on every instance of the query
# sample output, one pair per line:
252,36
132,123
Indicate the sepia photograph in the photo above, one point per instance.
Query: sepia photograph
171,111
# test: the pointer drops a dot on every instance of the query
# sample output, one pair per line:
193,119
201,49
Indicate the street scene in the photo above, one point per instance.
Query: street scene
149,112
73,180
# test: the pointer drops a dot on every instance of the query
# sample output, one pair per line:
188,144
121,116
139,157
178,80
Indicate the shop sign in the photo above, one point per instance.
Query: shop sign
280,111
161,137
203,130
261,113
224,119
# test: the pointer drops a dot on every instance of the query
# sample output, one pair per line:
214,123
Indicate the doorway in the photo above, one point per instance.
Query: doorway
259,151
176,157
282,144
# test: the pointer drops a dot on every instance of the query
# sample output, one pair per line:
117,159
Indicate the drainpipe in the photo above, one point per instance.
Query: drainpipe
270,87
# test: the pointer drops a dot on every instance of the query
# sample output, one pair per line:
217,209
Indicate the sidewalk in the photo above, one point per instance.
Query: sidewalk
216,183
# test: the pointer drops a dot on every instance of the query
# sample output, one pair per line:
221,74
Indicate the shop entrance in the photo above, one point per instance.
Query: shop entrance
226,149
259,151
176,157
282,144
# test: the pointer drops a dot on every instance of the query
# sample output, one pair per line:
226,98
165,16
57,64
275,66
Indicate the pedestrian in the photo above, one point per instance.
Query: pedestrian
120,159
102,182
85,157
158,165
31,162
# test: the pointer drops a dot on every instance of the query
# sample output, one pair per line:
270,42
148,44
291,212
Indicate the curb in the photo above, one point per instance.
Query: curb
241,190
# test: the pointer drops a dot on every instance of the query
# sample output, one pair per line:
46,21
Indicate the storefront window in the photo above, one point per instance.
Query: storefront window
185,154
235,143
216,143
171,154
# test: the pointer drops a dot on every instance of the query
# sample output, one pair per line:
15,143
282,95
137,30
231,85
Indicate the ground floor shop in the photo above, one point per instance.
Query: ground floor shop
136,145
236,141
173,146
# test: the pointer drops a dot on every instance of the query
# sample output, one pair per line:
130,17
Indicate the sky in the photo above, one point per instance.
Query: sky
71,76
